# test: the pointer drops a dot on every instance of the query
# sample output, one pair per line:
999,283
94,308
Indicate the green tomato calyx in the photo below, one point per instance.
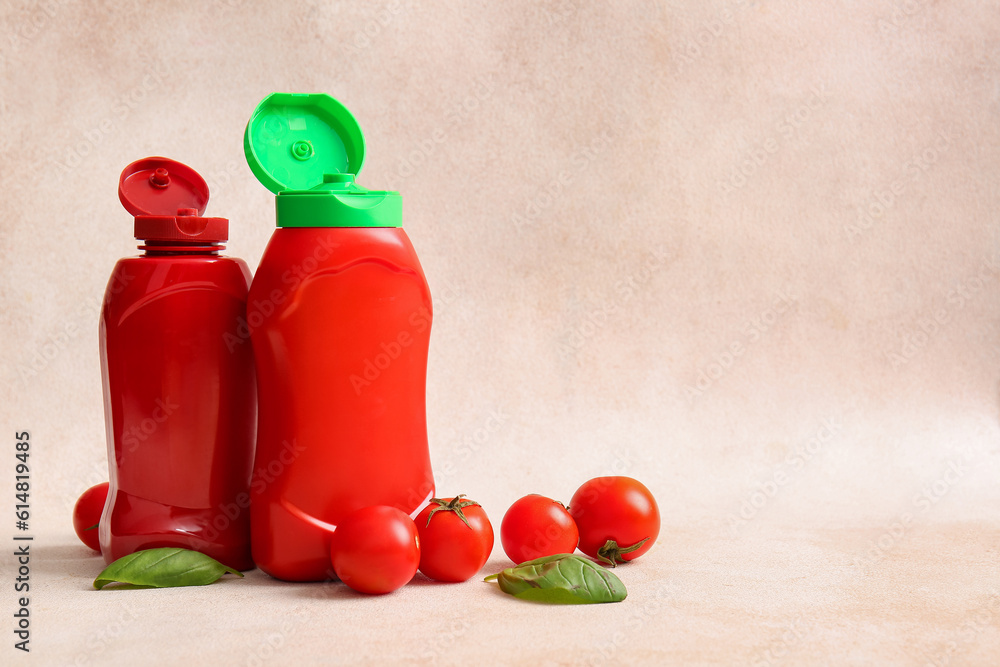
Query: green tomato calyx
455,505
611,553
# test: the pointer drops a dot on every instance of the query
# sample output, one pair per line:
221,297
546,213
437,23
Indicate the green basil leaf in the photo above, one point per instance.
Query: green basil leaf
163,568
561,579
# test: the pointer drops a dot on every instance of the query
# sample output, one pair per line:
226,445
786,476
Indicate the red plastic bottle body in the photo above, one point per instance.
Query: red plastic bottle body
340,321
179,406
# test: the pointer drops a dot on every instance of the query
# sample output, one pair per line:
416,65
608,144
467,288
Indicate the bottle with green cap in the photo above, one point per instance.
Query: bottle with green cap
339,318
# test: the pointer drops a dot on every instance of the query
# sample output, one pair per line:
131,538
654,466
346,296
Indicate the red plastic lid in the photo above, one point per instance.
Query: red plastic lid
168,199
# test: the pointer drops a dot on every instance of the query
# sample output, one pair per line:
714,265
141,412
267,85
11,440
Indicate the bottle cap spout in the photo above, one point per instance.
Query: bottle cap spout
168,199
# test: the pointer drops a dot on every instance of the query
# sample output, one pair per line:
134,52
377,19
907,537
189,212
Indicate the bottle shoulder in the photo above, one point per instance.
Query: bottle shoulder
304,250
143,279
183,264
320,263
339,239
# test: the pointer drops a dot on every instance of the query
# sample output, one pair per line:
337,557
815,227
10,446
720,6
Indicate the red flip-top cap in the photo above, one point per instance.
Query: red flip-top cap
167,199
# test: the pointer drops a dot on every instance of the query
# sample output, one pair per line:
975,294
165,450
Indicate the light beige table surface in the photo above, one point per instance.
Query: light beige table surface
791,596
746,251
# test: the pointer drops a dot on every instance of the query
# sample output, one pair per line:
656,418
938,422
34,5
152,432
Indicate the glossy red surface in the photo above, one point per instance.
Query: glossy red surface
179,398
340,321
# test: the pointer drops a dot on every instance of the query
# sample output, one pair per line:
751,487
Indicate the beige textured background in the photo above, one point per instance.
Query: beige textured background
745,251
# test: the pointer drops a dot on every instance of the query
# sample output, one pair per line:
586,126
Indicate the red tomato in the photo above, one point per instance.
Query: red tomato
537,526
375,549
87,514
617,517
456,538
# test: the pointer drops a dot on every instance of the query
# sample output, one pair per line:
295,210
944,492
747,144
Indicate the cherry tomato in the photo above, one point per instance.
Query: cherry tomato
456,538
87,514
375,549
617,517
537,526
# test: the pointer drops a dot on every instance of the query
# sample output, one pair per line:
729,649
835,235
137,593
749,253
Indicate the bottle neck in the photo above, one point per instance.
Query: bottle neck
152,248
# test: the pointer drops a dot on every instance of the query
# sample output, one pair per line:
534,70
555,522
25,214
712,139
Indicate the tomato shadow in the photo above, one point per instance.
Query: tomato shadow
335,589
491,567
421,579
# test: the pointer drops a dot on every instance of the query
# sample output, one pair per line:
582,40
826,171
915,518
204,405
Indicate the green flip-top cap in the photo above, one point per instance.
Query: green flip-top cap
307,149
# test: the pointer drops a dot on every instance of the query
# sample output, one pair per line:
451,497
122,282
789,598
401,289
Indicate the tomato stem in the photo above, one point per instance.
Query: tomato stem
611,553
455,505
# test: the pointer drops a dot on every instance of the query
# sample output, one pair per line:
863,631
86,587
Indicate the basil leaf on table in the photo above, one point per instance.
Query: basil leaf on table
163,568
561,579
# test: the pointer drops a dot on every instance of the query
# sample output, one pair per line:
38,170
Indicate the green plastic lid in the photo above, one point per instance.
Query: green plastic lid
307,149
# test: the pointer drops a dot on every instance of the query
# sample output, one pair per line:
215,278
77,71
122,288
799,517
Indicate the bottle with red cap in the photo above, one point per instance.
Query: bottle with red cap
179,398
